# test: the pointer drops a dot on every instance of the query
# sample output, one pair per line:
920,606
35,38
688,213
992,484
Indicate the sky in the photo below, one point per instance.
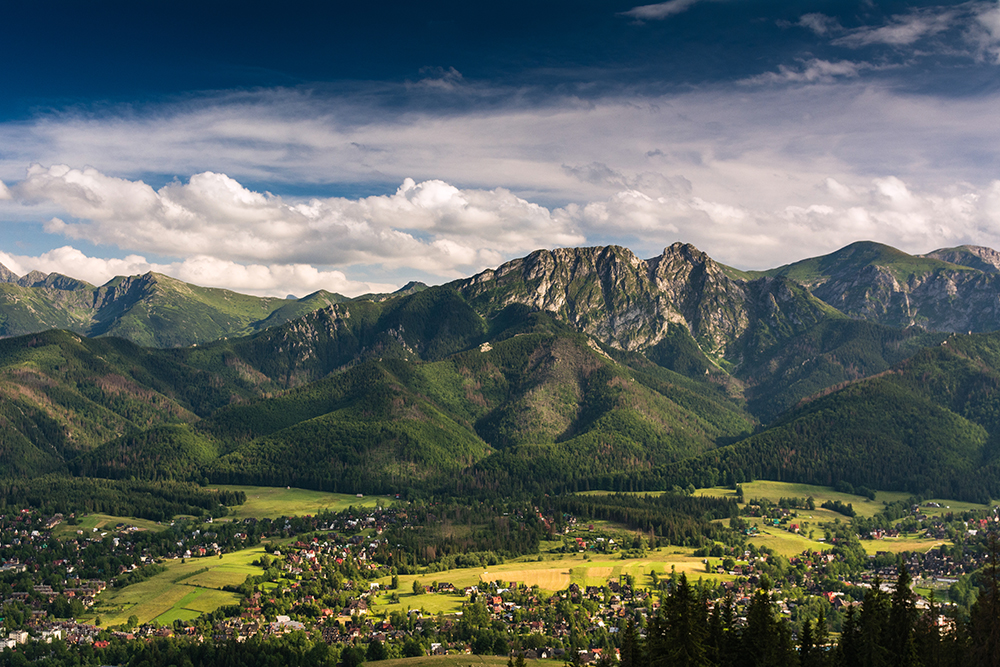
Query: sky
279,149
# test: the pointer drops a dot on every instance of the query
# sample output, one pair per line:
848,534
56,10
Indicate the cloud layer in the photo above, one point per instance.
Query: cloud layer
227,235
833,137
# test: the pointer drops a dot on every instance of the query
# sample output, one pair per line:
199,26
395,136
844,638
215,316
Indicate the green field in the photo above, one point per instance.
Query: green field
774,491
554,573
103,523
178,593
789,544
450,661
895,545
268,502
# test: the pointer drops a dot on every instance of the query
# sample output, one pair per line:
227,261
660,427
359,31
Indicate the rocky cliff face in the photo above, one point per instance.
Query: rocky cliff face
956,289
973,256
630,303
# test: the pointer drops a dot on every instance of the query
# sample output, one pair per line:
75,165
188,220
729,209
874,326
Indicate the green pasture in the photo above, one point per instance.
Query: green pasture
895,545
947,506
103,523
550,575
269,502
182,592
449,661
774,491
786,543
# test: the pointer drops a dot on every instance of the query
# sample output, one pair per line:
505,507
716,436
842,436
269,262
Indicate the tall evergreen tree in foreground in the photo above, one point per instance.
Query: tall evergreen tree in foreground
984,617
679,633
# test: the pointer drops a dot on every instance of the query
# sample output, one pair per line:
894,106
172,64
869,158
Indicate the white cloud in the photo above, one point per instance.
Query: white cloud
431,226
812,71
455,232
903,29
821,24
660,10
263,280
985,33
885,209
756,176
4,192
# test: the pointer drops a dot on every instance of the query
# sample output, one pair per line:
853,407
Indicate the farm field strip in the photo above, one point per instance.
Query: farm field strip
266,502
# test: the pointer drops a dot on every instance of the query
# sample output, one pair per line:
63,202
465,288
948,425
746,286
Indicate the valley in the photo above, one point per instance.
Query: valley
545,435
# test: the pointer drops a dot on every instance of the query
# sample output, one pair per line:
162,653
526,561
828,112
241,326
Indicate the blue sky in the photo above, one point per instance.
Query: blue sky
285,148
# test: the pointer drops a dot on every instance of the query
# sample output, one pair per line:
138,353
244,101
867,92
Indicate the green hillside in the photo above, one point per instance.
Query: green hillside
565,370
930,425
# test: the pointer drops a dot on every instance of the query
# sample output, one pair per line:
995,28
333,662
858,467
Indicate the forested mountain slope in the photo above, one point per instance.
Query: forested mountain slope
930,425
564,369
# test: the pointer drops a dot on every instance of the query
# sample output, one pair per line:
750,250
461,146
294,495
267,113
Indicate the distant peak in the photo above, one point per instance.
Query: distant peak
972,256
410,287
6,275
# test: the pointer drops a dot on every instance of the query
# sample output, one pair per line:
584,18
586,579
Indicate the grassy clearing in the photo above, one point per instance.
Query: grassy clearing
450,661
895,545
446,603
790,544
774,491
178,593
266,502
554,573
784,542
950,506
104,523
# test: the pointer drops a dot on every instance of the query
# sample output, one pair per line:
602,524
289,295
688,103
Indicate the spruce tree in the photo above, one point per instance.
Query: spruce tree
848,651
631,650
807,648
872,628
902,622
984,616
679,634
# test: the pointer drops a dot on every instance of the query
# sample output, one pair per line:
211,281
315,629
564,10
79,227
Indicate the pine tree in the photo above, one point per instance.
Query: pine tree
765,642
678,635
927,637
984,617
902,622
872,640
821,640
848,651
631,650
807,648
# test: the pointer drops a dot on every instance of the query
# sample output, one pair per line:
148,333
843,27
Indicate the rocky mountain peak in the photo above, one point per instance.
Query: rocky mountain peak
32,279
973,256
6,275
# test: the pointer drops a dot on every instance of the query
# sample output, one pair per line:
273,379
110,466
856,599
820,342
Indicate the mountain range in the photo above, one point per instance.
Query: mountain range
565,369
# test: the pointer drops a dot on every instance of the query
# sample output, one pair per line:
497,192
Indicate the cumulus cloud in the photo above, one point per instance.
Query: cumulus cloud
4,192
660,10
431,226
263,280
885,209
436,227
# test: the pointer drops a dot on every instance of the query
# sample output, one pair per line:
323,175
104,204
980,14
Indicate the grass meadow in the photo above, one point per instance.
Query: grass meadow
182,592
264,502
103,523
451,661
